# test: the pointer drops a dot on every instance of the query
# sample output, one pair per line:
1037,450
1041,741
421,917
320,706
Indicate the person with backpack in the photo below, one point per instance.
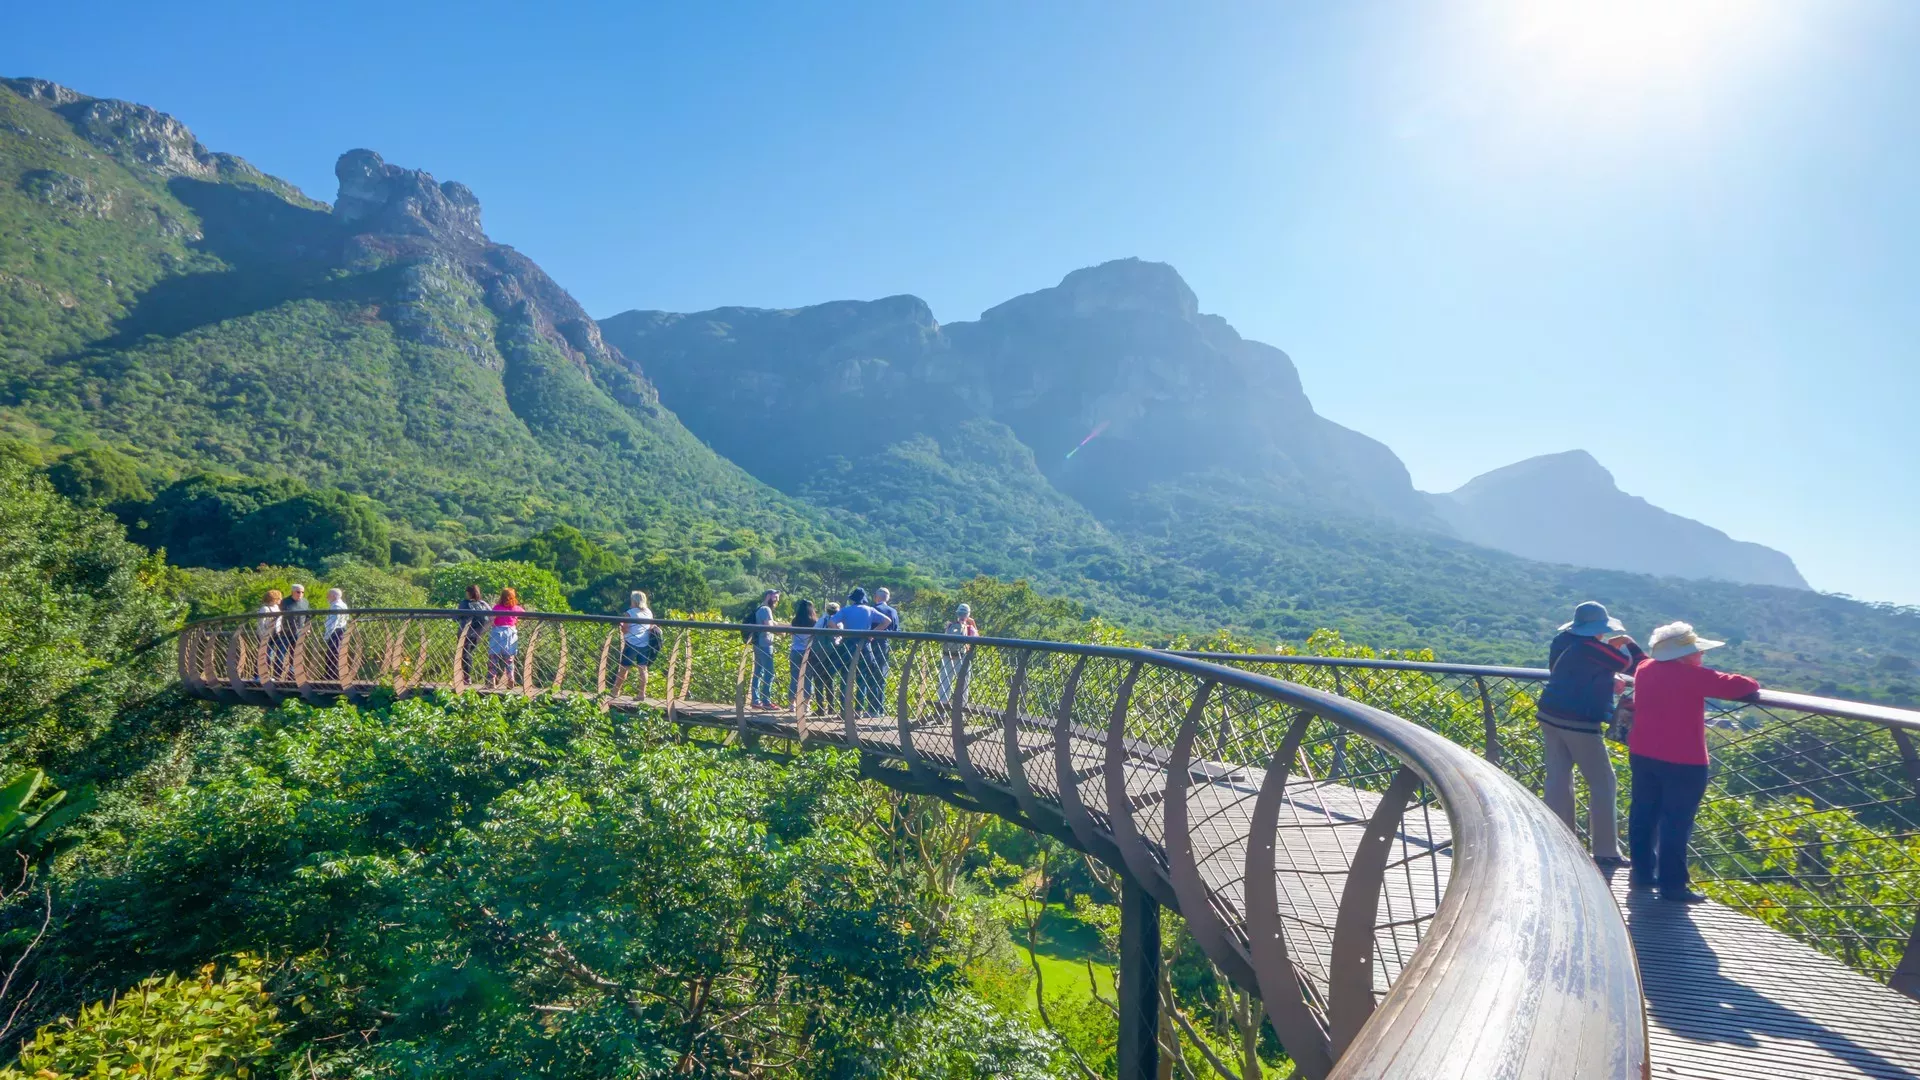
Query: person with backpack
882,652
1667,751
762,641
951,656
287,638
473,631
1585,663
860,615
639,645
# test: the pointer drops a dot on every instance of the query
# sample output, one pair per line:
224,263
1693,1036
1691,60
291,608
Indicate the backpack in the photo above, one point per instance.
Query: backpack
752,616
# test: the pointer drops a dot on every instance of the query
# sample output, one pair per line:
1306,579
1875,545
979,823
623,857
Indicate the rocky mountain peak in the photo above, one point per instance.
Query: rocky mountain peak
1570,470
378,197
1129,285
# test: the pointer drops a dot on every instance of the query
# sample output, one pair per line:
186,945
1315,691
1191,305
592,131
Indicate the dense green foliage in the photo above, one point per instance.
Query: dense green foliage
506,888
76,602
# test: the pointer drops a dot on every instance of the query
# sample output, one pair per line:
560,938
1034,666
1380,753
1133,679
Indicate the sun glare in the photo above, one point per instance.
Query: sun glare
1525,76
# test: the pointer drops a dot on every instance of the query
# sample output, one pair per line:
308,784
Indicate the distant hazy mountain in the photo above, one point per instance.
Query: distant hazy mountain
1565,508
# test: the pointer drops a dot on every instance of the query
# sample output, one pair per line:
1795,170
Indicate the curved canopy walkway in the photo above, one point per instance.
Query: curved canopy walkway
1354,840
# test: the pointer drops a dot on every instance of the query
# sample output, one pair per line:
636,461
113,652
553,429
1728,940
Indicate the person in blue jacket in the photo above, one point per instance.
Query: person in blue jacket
858,614
1586,661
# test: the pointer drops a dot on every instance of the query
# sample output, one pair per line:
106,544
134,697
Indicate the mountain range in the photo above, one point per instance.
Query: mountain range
174,307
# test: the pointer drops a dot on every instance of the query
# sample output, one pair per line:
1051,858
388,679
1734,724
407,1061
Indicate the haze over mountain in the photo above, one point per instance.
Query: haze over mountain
172,307
1566,508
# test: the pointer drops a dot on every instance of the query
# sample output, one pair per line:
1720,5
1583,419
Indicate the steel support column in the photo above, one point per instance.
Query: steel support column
1139,989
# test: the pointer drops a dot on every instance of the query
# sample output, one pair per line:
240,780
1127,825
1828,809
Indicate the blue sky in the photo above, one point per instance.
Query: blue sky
1684,235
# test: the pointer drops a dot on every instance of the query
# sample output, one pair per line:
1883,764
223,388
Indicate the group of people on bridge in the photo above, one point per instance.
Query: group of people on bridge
820,665
1601,685
1661,717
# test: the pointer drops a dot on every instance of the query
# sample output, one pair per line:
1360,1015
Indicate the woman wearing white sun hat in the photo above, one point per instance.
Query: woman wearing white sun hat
1667,750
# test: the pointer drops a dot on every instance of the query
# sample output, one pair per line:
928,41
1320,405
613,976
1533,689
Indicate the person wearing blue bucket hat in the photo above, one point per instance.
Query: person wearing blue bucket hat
1585,662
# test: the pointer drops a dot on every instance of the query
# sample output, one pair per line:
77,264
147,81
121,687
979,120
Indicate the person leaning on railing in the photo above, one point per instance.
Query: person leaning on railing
503,641
1667,749
1585,662
875,705
473,630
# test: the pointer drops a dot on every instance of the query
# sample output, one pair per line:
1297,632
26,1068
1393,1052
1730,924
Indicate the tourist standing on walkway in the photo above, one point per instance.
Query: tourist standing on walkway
797,648
473,630
288,636
503,641
763,650
1586,660
268,626
336,630
882,653
1668,753
826,665
860,615
639,644
952,656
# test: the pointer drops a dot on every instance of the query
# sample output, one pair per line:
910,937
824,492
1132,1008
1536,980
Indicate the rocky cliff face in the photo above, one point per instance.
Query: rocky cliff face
1566,508
1120,348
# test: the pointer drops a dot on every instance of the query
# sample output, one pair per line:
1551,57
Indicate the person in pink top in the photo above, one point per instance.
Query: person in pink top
503,641
1667,749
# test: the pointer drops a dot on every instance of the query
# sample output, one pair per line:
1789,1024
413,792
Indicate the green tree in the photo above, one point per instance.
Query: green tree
538,589
98,477
314,525
671,584
566,551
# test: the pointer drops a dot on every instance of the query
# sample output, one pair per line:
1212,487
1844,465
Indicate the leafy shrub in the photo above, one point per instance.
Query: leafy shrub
212,1025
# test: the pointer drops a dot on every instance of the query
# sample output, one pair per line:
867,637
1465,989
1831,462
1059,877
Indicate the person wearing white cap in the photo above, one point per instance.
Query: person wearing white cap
961,625
336,629
1585,661
1667,750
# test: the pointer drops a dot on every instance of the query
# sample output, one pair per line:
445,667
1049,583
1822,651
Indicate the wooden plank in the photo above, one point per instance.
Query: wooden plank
1729,998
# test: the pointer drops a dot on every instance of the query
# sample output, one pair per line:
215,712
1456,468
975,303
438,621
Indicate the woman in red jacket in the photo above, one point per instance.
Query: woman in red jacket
1667,749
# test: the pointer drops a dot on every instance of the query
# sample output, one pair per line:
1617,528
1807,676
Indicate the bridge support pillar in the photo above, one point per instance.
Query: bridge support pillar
1139,987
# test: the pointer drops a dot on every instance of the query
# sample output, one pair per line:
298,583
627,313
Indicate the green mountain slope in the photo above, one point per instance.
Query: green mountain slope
180,306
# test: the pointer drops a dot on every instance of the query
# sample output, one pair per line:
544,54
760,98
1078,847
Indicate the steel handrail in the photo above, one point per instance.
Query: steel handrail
1525,968
1872,712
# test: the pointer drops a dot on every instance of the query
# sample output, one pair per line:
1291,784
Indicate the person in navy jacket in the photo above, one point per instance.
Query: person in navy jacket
1586,660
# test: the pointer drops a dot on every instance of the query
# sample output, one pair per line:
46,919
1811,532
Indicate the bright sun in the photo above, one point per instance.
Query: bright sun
1617,59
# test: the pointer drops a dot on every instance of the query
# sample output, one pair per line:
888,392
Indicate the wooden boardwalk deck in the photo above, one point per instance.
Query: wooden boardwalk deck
1729,997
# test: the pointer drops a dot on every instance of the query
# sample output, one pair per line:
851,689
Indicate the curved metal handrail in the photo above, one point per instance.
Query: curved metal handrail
1403,908
1811,822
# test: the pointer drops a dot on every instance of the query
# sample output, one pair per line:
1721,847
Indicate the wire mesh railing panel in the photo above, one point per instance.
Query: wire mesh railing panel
1050,677
1086,751
991,680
